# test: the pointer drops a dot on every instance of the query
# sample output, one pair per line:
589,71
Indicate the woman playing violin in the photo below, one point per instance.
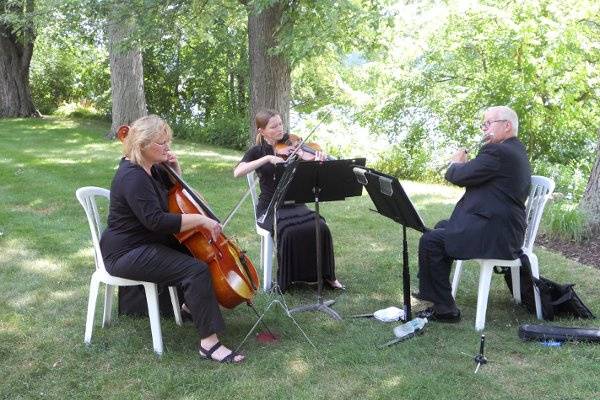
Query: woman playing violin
138,242
296,252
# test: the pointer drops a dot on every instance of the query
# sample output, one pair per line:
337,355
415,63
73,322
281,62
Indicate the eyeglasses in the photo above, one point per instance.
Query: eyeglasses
487,124
163,144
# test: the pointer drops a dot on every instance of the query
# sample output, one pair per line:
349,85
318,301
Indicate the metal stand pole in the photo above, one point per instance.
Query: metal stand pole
320,305
405,277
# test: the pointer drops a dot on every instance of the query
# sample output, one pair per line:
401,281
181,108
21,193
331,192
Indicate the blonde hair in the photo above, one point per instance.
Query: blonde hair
142,133
261,119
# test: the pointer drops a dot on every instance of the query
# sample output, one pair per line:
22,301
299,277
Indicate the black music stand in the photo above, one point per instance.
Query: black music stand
391,201
318,181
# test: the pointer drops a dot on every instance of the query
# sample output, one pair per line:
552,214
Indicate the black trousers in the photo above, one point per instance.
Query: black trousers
160,264
434,271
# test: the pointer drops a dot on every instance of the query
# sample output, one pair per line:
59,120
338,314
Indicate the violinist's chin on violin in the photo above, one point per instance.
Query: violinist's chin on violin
292,144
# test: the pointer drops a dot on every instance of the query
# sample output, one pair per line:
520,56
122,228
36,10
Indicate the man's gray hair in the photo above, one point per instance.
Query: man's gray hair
508,114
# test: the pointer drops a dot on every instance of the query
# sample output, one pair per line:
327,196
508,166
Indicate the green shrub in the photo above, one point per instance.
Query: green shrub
564,220
50,85
225,131
408,163
570,179
80,110
67,69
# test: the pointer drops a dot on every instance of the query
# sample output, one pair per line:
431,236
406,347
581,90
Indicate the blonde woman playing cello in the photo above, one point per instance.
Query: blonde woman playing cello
138,242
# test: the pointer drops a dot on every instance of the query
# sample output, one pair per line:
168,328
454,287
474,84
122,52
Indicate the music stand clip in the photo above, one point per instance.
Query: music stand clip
391,201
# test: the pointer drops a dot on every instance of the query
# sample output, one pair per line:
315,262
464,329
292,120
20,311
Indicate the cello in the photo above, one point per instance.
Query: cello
233,275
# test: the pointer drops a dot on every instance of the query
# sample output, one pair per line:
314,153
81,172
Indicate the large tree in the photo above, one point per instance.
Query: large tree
531,56
17,35
117,23
537,57
270,80
590,202
126,71
284,34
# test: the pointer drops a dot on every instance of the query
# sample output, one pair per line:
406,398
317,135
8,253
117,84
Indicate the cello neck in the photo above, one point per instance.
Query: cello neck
190,192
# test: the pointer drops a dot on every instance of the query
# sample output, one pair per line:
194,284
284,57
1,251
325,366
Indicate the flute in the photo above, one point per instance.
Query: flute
484,140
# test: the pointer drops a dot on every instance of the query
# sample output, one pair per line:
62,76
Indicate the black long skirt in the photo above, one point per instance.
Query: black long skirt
296,246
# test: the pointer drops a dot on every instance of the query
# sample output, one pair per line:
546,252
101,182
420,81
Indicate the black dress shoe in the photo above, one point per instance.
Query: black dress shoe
432,315
329,285
419,296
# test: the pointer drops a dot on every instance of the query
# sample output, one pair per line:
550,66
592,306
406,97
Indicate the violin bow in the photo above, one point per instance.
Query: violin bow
309,135
239,203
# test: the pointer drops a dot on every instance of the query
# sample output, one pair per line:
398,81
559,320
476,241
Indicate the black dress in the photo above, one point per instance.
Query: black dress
296,247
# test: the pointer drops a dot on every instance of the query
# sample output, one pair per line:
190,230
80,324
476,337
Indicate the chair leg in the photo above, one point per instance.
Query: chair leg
262,254
515,275
89,323
535,271
108,299
456,276
152,299
485,279
267,256
176,306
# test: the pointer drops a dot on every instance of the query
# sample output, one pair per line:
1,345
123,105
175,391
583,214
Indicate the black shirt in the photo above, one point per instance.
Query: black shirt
138,212
266,174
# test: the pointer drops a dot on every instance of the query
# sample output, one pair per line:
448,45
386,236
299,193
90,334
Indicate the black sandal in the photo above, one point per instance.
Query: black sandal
207,354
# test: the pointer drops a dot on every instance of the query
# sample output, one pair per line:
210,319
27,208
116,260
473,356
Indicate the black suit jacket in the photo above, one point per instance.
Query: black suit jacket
489,220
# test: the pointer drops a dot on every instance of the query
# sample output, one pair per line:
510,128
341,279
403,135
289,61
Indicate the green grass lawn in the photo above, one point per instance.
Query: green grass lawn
46,262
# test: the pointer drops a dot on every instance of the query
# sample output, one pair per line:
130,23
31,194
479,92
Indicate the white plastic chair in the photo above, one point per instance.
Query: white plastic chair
541,189
266,241
87,197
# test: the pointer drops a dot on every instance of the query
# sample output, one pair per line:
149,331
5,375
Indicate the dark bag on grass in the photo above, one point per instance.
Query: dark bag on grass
557,300
132,301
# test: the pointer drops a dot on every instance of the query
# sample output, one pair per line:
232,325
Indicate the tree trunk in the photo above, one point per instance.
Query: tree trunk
126,73
590,203
270,81
15,59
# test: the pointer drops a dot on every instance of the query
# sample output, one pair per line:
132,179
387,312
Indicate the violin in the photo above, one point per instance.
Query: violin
233,275
290,144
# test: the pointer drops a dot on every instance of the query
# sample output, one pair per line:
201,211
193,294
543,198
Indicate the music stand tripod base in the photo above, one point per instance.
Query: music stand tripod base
321,306
317,181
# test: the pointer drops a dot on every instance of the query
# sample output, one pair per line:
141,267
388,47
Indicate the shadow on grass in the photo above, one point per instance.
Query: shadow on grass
46,263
